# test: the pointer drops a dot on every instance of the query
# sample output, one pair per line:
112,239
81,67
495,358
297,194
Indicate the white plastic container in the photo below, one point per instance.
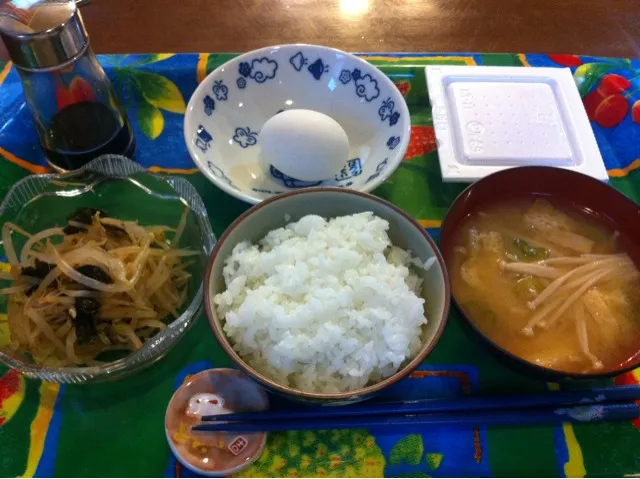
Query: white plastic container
487,119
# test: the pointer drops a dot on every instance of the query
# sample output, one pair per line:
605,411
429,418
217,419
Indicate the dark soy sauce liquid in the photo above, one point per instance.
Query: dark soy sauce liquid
83,131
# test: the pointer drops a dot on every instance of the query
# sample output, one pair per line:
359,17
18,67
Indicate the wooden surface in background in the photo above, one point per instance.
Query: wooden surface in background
596,27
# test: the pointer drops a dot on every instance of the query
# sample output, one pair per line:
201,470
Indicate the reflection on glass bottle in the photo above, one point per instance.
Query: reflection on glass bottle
88,119
76,112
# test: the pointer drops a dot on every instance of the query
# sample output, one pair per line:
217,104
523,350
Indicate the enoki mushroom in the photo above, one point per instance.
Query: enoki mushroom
568,289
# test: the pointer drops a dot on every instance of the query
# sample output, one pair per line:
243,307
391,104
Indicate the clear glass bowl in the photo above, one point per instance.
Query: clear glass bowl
124,190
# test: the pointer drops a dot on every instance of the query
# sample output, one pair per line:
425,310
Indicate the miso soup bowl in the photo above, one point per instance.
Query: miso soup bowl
596,199
278,211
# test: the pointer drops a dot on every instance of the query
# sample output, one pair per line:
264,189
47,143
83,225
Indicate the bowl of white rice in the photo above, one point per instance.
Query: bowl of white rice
326,295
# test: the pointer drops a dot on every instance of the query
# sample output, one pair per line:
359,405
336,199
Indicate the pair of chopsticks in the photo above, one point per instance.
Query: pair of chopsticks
594,405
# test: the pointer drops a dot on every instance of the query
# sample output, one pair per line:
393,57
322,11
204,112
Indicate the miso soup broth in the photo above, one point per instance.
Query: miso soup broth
548,284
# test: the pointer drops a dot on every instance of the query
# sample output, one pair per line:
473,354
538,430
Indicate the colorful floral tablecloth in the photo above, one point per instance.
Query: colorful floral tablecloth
116,428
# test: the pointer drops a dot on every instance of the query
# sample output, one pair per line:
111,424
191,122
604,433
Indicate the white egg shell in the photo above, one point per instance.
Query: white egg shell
304,144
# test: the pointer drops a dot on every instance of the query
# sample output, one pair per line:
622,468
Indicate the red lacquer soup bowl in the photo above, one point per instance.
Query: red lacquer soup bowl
589,196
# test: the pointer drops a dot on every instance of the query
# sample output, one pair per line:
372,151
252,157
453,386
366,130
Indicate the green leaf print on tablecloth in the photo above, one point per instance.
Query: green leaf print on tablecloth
423,195
407,450
150,93
587,75
159,91
433,460
339,453
152,58
150,119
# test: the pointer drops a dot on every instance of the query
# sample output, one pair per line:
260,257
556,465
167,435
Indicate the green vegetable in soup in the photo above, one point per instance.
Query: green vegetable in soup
528,288
525,252
490,317
477,311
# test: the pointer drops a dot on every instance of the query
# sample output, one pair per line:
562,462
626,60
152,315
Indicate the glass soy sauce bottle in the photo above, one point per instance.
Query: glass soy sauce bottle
75,110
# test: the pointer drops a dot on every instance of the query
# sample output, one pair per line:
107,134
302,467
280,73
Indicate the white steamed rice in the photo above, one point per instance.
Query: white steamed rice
323,306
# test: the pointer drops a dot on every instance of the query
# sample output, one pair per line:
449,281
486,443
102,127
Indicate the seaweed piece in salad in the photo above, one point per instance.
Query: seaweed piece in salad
95,272
115,230
86,310
39,270
83,216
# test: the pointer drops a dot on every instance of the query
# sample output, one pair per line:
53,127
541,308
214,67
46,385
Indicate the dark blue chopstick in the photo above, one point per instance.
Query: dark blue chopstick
551,399
581,414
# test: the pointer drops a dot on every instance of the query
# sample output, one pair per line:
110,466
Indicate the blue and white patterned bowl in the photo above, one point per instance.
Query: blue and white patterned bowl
226,113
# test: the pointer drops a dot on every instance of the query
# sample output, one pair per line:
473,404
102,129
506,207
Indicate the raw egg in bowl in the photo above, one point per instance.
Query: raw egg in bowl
345,124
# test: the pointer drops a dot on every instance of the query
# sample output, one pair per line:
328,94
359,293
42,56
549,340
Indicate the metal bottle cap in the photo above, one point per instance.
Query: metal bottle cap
49,36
